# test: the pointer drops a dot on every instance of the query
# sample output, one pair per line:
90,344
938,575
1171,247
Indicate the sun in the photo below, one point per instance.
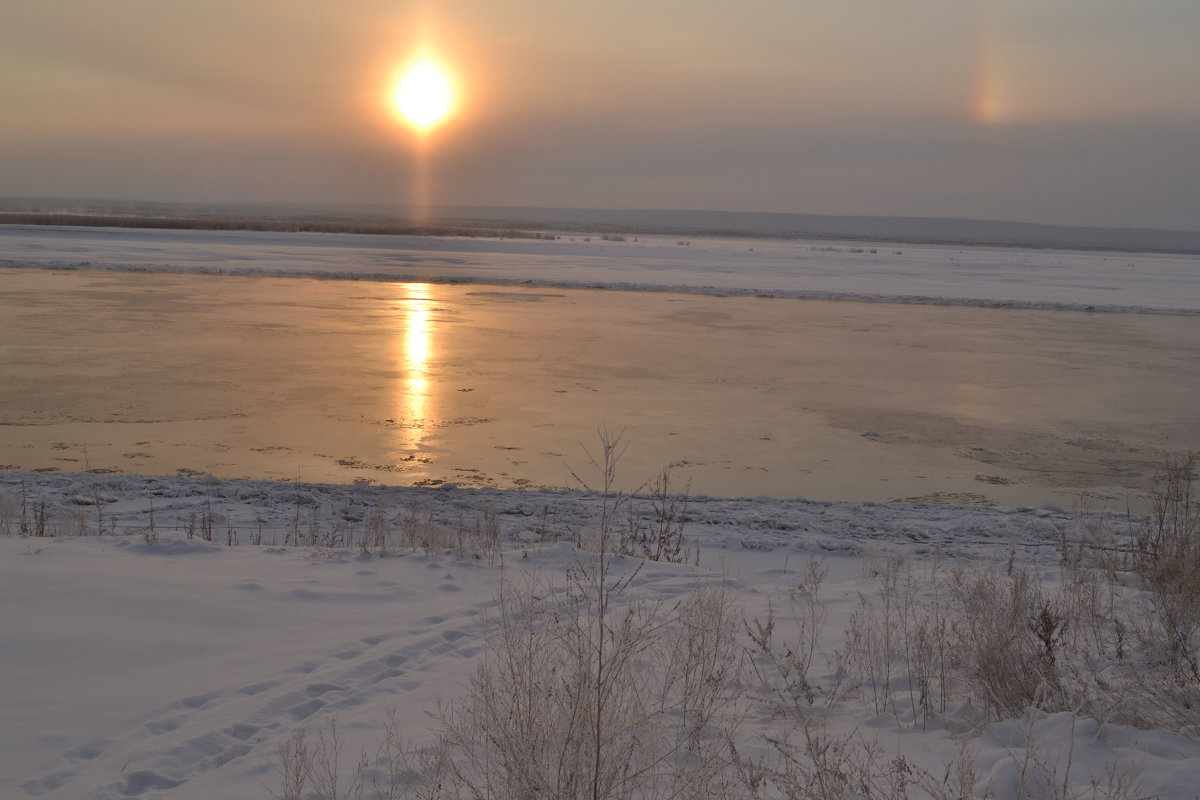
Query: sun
424,97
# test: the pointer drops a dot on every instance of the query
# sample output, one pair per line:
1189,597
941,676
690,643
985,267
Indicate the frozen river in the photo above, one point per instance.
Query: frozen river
416,381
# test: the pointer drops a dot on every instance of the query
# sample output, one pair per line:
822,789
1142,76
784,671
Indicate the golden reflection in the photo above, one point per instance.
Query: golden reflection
413,398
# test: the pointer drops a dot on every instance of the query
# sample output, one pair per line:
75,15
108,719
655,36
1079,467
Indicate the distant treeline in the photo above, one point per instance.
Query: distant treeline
281,225
553,223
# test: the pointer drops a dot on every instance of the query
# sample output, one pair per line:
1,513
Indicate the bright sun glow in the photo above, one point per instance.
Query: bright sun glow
423,96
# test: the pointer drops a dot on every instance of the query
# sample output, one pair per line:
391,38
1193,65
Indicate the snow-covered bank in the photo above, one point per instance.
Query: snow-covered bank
147,663
821,270
269,510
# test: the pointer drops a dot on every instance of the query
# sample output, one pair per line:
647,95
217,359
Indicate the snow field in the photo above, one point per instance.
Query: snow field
146,663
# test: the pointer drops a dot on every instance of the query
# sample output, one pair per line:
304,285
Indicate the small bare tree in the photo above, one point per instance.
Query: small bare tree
586,690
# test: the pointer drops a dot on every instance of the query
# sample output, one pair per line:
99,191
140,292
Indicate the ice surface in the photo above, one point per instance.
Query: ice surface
943,274
287,378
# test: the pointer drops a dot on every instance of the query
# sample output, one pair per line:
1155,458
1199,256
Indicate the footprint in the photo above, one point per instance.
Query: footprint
161,726
380,677
237,751
353,701
346,655
198,700
241,731
143,779
86,751
306,667
305,710
36,786
318,689
199,747
374,640
257,688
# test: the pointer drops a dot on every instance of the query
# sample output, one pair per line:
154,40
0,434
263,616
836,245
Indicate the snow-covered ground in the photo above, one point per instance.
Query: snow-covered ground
174,654
147,663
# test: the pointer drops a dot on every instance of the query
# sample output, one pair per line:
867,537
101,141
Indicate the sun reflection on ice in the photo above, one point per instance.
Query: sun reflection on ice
415,348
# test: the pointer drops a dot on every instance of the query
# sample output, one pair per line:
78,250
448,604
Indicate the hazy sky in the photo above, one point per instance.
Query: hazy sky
1058,111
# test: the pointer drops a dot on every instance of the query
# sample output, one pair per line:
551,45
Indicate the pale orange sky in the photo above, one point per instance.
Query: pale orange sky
1058,111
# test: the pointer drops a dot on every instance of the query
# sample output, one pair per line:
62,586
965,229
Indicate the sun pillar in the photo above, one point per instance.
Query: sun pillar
423,100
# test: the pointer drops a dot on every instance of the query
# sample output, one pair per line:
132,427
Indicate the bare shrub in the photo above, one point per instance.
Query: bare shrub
69,522
781,668
814,765
202,525
10,512
1167,557
1096,544
956,782
918,643
377,529
873,641
295,764
402,771
998,650
326,775
1169,541
320,767
654,534
585,691
900,646
34,524
544,530
699,665
925,631
806,760
481,538
661,537
418,530
612,501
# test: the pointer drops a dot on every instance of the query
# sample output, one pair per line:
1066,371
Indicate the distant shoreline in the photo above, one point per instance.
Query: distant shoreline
549,223
267,225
